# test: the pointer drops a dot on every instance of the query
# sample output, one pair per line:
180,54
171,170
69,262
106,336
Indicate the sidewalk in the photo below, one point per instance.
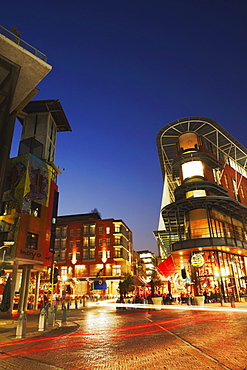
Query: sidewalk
8,325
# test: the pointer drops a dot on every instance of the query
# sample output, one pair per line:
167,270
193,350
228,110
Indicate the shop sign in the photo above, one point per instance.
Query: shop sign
197,260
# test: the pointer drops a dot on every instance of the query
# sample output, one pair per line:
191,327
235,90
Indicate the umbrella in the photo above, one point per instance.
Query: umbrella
5,304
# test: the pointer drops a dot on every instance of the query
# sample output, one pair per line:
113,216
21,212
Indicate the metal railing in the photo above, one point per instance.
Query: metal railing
22,43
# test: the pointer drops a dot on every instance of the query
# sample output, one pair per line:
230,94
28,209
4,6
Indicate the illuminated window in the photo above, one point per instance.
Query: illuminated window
64,231
6,208
195,193
85,229
35,209
118,253
108,254
32,241
191,169
85,241
92,253
117,240
117,228
108,230
63,243
92,229
92,241
116,270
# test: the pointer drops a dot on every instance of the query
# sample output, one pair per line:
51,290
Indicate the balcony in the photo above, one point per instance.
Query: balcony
22,43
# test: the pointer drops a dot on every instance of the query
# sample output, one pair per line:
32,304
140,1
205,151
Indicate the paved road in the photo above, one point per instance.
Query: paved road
106,338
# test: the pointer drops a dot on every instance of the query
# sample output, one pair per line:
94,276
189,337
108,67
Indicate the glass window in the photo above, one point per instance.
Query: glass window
85,242
116,270
92,253
78,243
58,231
108,230
85,254
108,242
100,230
100,242
78,232
92,241
70,256
64,231
32,241
117,228
117,240
71,232
35,209
71,244
108,254
78,256
92,229
85,229
100,254
63,243
6,208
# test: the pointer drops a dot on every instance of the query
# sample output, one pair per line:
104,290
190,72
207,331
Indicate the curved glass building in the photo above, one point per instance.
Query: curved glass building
203,216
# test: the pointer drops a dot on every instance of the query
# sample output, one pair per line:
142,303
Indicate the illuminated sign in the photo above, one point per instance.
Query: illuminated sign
197,260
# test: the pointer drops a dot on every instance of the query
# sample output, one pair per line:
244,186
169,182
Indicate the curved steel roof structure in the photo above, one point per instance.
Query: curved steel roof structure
223,143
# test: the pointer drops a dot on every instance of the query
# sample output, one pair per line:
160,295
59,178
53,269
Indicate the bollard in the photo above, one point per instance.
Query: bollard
76,305
51,316
42,320
64,314
21,325
232,301
84,301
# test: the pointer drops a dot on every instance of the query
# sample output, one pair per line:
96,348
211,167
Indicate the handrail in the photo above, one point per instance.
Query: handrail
22,43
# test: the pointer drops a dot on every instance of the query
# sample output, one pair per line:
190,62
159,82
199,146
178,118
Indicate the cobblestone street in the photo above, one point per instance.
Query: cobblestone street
106,338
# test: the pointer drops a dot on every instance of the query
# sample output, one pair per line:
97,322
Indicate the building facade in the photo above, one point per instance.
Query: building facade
149,259
87,246
30,200
203,217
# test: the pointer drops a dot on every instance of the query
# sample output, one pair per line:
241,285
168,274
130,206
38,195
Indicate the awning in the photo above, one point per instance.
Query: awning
137,281
167,267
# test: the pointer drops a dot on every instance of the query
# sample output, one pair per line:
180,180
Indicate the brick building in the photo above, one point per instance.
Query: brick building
87,245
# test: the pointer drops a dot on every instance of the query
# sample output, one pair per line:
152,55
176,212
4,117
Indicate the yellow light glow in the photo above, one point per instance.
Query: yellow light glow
190,169
195,194
180,252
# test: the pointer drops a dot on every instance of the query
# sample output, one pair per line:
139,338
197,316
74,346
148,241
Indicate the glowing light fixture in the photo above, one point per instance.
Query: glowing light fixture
190,169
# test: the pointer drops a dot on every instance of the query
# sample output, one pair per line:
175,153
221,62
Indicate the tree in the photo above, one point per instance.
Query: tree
155,281
126,286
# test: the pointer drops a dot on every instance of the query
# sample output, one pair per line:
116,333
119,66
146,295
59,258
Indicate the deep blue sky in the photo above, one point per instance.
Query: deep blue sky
123,69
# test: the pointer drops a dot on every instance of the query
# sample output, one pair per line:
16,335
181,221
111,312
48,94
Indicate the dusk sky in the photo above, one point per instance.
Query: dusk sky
122,70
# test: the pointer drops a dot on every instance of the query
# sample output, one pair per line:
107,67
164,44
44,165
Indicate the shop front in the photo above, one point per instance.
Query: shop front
219,276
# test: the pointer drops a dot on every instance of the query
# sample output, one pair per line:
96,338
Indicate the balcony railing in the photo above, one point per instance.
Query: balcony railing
22,43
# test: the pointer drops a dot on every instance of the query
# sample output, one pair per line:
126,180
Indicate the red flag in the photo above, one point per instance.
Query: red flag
167,267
